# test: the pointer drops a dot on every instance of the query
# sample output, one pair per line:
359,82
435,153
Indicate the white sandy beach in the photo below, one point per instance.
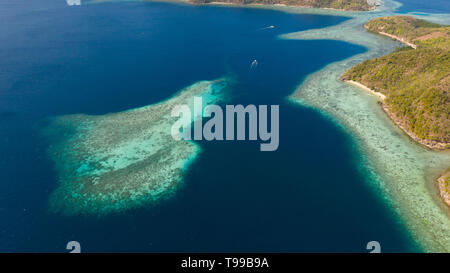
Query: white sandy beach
363,87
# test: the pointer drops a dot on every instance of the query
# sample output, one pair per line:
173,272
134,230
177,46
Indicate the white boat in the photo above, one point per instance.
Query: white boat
254,64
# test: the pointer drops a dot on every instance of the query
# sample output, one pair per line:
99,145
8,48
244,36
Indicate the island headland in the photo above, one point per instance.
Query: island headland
415,81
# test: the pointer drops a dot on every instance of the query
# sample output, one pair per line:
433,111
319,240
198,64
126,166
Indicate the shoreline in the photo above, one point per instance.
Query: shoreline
274,5
430,144
381,96
399,39
426,143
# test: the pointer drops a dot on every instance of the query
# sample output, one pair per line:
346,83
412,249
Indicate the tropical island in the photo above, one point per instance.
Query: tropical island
413,81
354,5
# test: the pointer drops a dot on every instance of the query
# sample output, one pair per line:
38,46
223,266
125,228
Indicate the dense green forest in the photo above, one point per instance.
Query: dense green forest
416,31
334,4
416,82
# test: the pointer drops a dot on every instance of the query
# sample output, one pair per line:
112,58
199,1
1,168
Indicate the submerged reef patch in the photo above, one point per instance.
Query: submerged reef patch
118,161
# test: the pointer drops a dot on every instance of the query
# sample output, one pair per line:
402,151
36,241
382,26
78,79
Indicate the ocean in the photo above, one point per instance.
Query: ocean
311,195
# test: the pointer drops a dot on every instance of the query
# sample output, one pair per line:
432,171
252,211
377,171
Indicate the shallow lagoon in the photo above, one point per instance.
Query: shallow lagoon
98,59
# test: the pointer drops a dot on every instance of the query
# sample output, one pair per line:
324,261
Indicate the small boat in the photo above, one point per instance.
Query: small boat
254,64
269,27
73,2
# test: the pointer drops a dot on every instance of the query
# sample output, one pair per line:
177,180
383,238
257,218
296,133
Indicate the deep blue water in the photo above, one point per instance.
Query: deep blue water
430,6
96,59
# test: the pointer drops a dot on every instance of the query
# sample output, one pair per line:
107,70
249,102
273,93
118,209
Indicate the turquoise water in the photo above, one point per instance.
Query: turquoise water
312,194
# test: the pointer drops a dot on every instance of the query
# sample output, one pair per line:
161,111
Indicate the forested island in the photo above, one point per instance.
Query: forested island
415,81
356,5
